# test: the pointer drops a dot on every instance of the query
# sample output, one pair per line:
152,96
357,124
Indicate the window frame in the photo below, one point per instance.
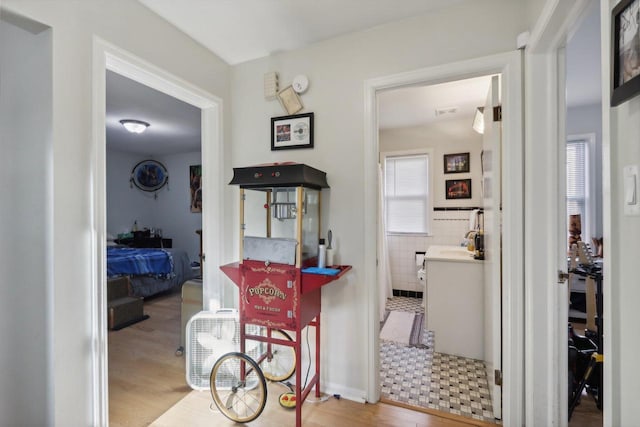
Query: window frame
429,207
588,223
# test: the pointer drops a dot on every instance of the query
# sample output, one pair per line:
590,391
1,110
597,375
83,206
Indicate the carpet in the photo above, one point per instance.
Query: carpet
403,328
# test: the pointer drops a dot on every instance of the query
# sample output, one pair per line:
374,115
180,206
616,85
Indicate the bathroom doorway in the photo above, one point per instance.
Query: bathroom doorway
429,145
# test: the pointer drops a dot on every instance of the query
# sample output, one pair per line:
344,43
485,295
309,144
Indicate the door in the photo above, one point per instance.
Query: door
492,202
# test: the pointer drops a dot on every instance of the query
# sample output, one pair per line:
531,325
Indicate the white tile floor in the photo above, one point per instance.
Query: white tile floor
421,377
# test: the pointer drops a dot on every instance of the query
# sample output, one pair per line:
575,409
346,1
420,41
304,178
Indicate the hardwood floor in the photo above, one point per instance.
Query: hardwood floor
147,386
195,411
145,376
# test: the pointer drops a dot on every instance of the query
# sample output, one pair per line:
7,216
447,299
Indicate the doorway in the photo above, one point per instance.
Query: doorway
545,225
508,65
109,57
583,213
149,211
428,143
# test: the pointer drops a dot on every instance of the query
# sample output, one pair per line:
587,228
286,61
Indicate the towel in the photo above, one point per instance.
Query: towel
473,219
318,270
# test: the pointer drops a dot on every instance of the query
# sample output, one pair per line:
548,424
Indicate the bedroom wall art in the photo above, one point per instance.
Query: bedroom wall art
195,183
149,176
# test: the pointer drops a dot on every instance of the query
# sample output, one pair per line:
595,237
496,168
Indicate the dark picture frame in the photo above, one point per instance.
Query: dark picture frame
457,163
625,51
458,188
289,132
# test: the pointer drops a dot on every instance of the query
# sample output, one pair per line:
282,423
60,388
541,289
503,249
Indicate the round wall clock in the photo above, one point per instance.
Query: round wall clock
149,175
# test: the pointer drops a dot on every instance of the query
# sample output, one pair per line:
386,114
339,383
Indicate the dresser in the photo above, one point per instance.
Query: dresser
146,242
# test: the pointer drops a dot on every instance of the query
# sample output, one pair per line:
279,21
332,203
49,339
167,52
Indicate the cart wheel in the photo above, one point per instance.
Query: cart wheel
241,398
281,363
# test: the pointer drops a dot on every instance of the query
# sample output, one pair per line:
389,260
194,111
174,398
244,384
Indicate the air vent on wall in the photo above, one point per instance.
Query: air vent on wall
446,110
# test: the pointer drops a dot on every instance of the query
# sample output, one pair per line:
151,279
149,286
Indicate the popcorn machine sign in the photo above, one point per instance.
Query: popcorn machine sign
269,296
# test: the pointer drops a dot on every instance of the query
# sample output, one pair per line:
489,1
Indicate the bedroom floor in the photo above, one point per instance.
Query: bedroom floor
145,376
420,377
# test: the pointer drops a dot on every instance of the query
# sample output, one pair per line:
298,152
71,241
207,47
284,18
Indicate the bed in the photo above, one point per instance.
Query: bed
150,271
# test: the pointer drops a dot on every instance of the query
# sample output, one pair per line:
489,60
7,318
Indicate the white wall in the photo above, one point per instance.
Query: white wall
447,227
128,25
337,70
26,215
170,211
622,250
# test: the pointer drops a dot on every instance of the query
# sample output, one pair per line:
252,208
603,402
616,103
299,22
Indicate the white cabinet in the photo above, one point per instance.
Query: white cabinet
455,301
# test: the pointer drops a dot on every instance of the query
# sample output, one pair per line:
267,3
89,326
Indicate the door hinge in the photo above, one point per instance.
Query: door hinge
562,276
498,377
497,113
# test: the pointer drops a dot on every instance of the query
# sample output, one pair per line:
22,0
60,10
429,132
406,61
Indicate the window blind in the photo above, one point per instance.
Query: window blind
407,194
577,180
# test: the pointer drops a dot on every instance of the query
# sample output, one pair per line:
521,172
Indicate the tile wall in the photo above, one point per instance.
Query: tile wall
447,228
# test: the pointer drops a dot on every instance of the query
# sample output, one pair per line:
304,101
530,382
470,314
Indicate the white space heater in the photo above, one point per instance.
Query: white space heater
209,335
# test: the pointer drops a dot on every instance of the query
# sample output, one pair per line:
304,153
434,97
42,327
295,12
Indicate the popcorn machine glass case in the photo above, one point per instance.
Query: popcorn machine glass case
279,233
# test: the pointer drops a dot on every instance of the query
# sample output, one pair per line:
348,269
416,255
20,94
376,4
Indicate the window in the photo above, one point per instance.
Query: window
407,194
578,197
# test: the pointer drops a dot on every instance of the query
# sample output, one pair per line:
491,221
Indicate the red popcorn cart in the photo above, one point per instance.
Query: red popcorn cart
280,285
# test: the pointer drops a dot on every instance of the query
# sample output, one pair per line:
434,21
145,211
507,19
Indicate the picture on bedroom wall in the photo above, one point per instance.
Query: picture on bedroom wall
195,183
458,188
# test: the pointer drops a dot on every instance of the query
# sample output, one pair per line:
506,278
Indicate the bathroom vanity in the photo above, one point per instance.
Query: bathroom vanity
455,301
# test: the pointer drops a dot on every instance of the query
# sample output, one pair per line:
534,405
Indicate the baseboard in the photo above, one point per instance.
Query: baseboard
409,294
344,392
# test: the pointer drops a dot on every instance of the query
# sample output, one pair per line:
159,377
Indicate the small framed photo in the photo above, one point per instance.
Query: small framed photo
456,163
290,100
458,188
289,132
625,52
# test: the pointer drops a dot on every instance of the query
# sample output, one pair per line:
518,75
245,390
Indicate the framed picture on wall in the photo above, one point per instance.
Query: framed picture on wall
195,187
292,132
458,188
625,52
456,163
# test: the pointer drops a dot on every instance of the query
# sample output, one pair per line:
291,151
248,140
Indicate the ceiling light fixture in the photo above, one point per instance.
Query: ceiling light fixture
478,120
134,126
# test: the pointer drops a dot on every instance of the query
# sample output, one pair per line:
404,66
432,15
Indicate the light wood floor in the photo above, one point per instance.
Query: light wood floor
146,380
145,376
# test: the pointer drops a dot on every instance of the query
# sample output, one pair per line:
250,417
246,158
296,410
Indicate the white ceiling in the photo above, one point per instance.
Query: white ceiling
175,125
241,30
414,106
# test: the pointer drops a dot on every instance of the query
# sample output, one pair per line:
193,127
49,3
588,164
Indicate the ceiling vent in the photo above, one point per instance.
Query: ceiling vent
446,110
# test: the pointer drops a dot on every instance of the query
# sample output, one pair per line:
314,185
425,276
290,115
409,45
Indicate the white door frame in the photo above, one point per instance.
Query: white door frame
546,320
109,57
509,65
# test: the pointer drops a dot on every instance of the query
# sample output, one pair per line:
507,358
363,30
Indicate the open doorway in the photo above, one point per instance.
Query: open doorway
153,213
109,57
584,216
437,177
511,298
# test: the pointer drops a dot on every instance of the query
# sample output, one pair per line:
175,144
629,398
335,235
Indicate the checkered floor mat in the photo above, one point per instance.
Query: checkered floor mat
421,377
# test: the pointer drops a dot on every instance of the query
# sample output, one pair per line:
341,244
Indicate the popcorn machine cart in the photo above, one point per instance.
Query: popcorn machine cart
279,284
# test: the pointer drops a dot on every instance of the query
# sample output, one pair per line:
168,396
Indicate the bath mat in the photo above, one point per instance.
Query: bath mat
403,328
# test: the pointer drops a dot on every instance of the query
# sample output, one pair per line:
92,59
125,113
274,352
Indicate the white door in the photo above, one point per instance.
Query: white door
492,202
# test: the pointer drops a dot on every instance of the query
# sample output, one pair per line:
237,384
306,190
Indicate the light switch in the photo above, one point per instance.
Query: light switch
630,190
631,183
